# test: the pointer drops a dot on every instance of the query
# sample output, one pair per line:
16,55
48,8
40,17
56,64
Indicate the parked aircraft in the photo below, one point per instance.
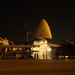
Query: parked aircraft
41,33
66,49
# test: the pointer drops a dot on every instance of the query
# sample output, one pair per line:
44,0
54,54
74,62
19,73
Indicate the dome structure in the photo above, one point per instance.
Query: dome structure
43,30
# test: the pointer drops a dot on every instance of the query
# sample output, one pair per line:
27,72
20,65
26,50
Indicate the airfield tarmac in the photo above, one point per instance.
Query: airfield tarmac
37,67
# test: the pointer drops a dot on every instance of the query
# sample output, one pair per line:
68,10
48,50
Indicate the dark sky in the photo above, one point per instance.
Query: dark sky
17,17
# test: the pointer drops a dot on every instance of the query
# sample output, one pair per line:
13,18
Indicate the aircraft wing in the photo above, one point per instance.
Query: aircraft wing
15,46
26,46
53,45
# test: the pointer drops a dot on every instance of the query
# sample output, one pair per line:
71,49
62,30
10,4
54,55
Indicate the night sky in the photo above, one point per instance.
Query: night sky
17,17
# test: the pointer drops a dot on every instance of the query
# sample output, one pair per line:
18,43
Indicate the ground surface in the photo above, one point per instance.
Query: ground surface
37,67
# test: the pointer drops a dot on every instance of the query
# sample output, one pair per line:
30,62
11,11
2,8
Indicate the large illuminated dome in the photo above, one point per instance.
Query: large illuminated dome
43,30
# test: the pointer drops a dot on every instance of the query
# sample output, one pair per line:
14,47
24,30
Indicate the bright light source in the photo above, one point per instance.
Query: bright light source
49,49
66,56
44,49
